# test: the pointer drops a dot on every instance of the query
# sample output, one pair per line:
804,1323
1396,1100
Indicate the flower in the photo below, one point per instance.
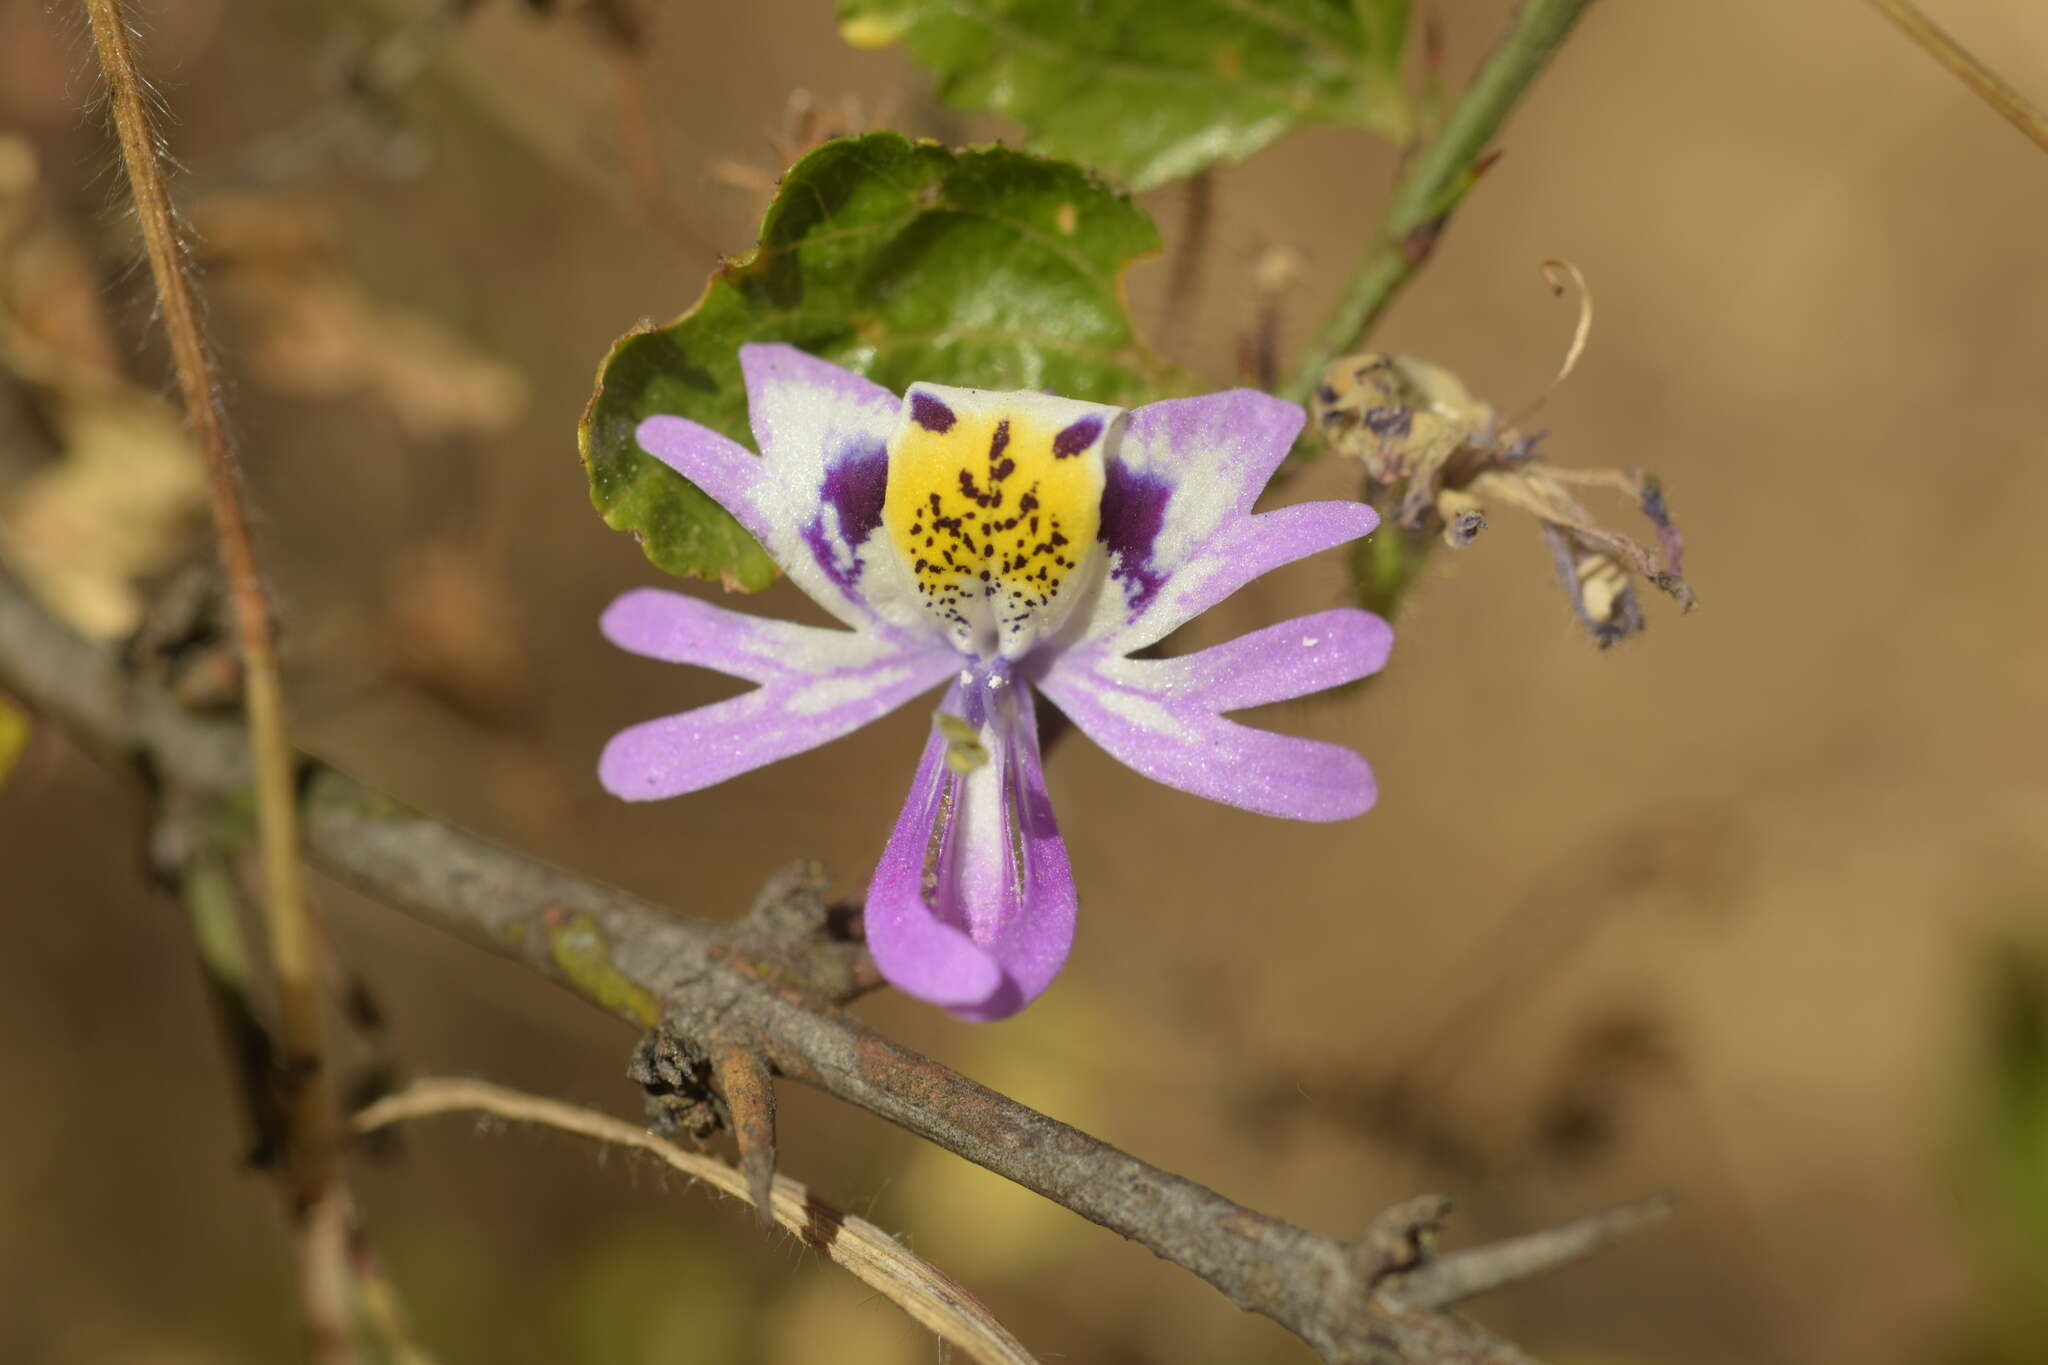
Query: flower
997,543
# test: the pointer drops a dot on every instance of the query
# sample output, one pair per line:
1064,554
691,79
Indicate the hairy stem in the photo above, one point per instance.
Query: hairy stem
1436,178
315,1127
312,1137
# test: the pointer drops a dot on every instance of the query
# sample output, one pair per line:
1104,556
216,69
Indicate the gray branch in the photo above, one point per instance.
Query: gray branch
771,986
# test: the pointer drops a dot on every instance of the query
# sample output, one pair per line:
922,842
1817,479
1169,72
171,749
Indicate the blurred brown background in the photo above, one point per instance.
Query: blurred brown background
1723,912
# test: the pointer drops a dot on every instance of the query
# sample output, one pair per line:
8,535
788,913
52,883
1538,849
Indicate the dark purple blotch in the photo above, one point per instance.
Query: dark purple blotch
929,413
1133,512
856,481
1076,437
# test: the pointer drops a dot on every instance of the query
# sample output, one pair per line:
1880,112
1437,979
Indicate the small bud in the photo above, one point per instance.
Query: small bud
964,750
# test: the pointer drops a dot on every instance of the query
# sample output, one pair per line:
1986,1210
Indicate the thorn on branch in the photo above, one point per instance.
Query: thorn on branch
698,1089
749,1095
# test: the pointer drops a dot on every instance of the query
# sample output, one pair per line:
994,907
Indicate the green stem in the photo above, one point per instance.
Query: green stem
1437,177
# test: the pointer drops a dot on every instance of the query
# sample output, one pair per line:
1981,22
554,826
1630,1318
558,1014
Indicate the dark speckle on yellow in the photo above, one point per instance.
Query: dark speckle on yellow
993,502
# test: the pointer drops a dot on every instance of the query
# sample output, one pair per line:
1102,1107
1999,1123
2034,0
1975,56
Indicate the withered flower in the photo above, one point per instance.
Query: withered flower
1436,458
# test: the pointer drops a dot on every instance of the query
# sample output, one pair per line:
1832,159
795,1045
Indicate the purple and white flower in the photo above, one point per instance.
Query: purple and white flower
997,543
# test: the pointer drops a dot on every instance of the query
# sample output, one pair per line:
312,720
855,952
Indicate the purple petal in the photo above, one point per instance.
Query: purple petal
813,497
815,685
726,470
1176,512
954,916
1173,736
1231,442
680,629
1281,662
1241,551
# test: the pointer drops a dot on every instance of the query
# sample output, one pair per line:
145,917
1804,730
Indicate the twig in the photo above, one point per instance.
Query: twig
916,1286
1436,179
656,968
1983,82
1460,1275
313,1135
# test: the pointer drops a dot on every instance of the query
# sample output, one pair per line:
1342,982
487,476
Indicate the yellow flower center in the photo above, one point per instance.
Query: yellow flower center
993,503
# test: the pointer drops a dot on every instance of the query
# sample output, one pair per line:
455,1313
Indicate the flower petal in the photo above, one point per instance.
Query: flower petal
955,915
1177,519
815,685
731,474
813,497
1163,723
1279,663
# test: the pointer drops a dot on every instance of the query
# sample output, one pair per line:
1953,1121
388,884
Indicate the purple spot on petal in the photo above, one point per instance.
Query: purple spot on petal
929,413
855,483
1076,437
1133,511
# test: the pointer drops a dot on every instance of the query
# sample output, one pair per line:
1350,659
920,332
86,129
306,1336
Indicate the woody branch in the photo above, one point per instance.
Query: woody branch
763,996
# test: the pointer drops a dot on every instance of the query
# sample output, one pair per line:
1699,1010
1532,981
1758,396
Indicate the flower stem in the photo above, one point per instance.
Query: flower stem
1437,176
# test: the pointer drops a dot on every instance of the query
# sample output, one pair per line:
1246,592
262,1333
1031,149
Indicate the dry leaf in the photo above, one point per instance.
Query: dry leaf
126,498
126,502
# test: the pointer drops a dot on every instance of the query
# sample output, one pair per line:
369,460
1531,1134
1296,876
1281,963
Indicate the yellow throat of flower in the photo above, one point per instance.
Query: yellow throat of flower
993,504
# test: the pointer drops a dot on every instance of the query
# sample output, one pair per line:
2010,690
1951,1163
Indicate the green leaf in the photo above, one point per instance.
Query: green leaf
902,261
1151,90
